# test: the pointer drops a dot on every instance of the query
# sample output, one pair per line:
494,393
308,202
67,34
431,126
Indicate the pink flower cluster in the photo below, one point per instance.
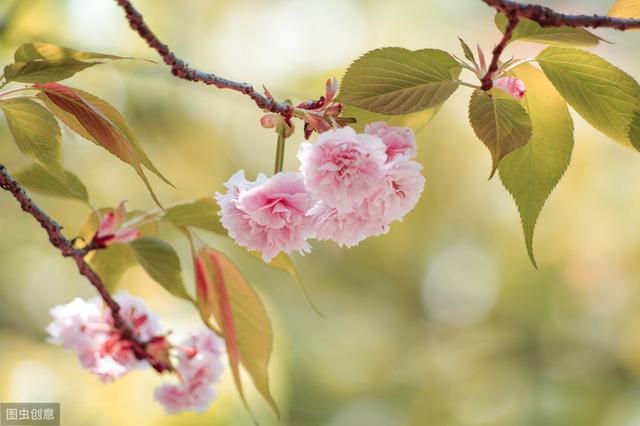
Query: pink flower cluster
199,366
350,186
87,328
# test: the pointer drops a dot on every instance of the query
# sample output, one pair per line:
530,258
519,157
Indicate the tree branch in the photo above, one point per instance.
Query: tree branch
54,231
181,70
548,17
545,17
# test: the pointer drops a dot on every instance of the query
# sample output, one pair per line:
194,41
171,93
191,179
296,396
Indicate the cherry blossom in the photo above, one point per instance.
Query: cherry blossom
399,191
87,328
398,140
352,186
199,366
347,228
342,167
268,215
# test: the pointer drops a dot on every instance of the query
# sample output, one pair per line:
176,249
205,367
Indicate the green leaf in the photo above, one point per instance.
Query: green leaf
36,178
530,173
199,214
44,71
467,51
416,121
96,123
528,30
224,293
605,96
629,9
47,51
396,81
111,263
634,130
501,124
35,131
283,262
162,264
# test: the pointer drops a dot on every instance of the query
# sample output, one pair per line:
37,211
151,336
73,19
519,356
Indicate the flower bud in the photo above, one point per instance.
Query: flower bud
512,86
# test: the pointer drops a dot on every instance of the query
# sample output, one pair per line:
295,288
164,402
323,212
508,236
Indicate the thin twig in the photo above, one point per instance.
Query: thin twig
545,17
181,70
57,238
487,80
548,17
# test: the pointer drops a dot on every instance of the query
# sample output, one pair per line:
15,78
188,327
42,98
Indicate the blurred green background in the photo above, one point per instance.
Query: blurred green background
441,322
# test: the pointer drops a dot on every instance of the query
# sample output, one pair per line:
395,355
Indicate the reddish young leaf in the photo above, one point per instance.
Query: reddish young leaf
224,293
94,123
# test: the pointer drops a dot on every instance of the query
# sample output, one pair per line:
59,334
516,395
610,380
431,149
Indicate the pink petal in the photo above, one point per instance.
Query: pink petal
107,224
124,235
512,86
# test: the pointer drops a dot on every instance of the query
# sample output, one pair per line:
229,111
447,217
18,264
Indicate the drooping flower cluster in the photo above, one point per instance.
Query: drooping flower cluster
87,328
350,186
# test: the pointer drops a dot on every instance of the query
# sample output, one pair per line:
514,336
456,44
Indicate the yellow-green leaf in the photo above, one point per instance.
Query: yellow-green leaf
111,263
47,51
467,51
201,214
35,131
528,30
416,121
501,124
634,130
36,178
162,264
604,95
396,81
44,71
530,173
222,291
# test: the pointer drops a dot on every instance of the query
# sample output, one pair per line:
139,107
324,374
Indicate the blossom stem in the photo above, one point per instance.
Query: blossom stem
280,154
